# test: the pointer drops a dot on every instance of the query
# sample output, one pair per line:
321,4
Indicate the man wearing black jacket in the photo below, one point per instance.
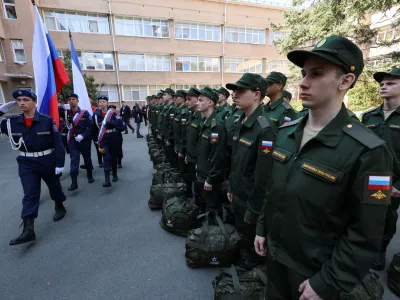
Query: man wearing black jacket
137,116
125,114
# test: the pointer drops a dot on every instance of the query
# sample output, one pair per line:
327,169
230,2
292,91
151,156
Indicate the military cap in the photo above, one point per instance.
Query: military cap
193,92
223,91
181,93
148,98
26,93
168,91
394,72
112,106
102,98
335,49
159,95
72,95
276,77
210,93
250,81
287,94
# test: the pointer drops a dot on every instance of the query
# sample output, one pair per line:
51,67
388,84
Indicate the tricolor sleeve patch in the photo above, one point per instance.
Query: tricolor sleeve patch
266,146
287,119
378,188
214,137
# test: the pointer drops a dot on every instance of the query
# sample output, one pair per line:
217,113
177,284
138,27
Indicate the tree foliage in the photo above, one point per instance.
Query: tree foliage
92,87
311,21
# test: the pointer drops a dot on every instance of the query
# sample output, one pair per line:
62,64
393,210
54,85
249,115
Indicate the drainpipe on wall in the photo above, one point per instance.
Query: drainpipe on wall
223,45
115,51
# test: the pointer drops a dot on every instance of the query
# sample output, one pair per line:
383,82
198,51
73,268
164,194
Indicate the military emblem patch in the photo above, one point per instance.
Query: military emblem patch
266,146
214,261
321,43
214,137
169,223
378,188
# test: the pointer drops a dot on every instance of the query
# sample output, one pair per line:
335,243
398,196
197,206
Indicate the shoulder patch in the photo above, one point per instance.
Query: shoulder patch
263,121
288,124
286,105
363,135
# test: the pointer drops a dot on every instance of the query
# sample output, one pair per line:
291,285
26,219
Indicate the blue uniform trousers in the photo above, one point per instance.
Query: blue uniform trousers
75,149
31,170
111,145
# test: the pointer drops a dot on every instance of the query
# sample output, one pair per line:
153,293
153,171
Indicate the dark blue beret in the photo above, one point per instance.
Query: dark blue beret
102,98
72,95
26,93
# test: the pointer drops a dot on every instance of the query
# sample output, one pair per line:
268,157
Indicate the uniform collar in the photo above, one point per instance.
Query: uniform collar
78,110
252,118
275,104
379,110
36,117
207,123
331,134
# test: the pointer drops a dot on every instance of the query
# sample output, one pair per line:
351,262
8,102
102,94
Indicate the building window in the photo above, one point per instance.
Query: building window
144,62
76,22
155,89
242,65
245,35
111,91
185,87
141,27
19,51
1,95
9,9
198,32
277,65
98,61
213,86
275,35
135,92
197,64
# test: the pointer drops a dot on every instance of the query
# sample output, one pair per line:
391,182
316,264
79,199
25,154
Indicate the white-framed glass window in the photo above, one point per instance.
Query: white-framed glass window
198,32
275,35
185,87
155,89
242,65
245,35
213,86
18,50
99,61
111,91
10,11
135,92
144,62
277,65
141,27
197,64
2,100
76,22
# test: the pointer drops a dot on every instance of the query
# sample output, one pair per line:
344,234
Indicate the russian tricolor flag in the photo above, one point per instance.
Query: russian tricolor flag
379,183
266,145
287,119
49,71
214,136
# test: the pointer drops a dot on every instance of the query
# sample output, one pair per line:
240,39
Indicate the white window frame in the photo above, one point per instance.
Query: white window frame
155,89
5,10
18,48
136,88
275,35
213,86
185,87
245,65
280,65
75,21
197,60
194,29
2,99
84,59
246,32
142,22
110,88
139,60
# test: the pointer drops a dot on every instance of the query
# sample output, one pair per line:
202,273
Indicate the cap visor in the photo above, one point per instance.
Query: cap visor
299,57
235,86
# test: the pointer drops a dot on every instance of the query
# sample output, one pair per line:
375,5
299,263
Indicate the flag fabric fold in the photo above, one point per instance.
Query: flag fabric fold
49,72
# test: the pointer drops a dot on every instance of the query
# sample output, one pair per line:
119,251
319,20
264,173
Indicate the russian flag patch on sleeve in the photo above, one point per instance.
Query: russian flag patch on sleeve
378,188
214,137
266,146
287,119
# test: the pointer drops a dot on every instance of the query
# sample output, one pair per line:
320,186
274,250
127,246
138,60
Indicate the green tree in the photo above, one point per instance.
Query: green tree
92,87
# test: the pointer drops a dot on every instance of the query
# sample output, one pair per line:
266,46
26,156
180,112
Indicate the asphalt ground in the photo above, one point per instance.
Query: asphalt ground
109,246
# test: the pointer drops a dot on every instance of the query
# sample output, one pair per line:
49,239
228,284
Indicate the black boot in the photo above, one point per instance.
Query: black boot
107,182
27,235
74,184
115,176
379,263
83,167
90,178
60,211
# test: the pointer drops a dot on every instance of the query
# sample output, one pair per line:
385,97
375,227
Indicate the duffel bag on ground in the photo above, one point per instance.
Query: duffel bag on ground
393,274
159,160
233,284
162,192
212,245
179,215
371,288
166,176
163,166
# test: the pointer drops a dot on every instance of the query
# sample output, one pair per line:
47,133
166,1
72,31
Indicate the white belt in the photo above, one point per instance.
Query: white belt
110,130
36,154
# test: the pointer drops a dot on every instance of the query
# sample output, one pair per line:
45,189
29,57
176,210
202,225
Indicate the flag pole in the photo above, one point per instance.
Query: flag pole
33,2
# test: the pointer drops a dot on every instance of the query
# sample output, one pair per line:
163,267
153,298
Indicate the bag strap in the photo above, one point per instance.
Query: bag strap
367,285
222,228
261,275
235,280
204,227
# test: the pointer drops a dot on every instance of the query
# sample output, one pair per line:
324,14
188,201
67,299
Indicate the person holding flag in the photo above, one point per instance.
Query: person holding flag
79,140
108,124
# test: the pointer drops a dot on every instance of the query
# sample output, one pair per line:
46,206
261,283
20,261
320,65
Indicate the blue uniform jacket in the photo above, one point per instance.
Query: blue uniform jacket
116,122
43,135
84,126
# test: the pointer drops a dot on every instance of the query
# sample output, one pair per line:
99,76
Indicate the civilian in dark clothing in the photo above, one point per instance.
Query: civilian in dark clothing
125,114
144,113
137,116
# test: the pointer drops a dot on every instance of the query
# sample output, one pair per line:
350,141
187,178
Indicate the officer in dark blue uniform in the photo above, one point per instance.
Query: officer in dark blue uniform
63,126
79,140
108,124
42,156
120,155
